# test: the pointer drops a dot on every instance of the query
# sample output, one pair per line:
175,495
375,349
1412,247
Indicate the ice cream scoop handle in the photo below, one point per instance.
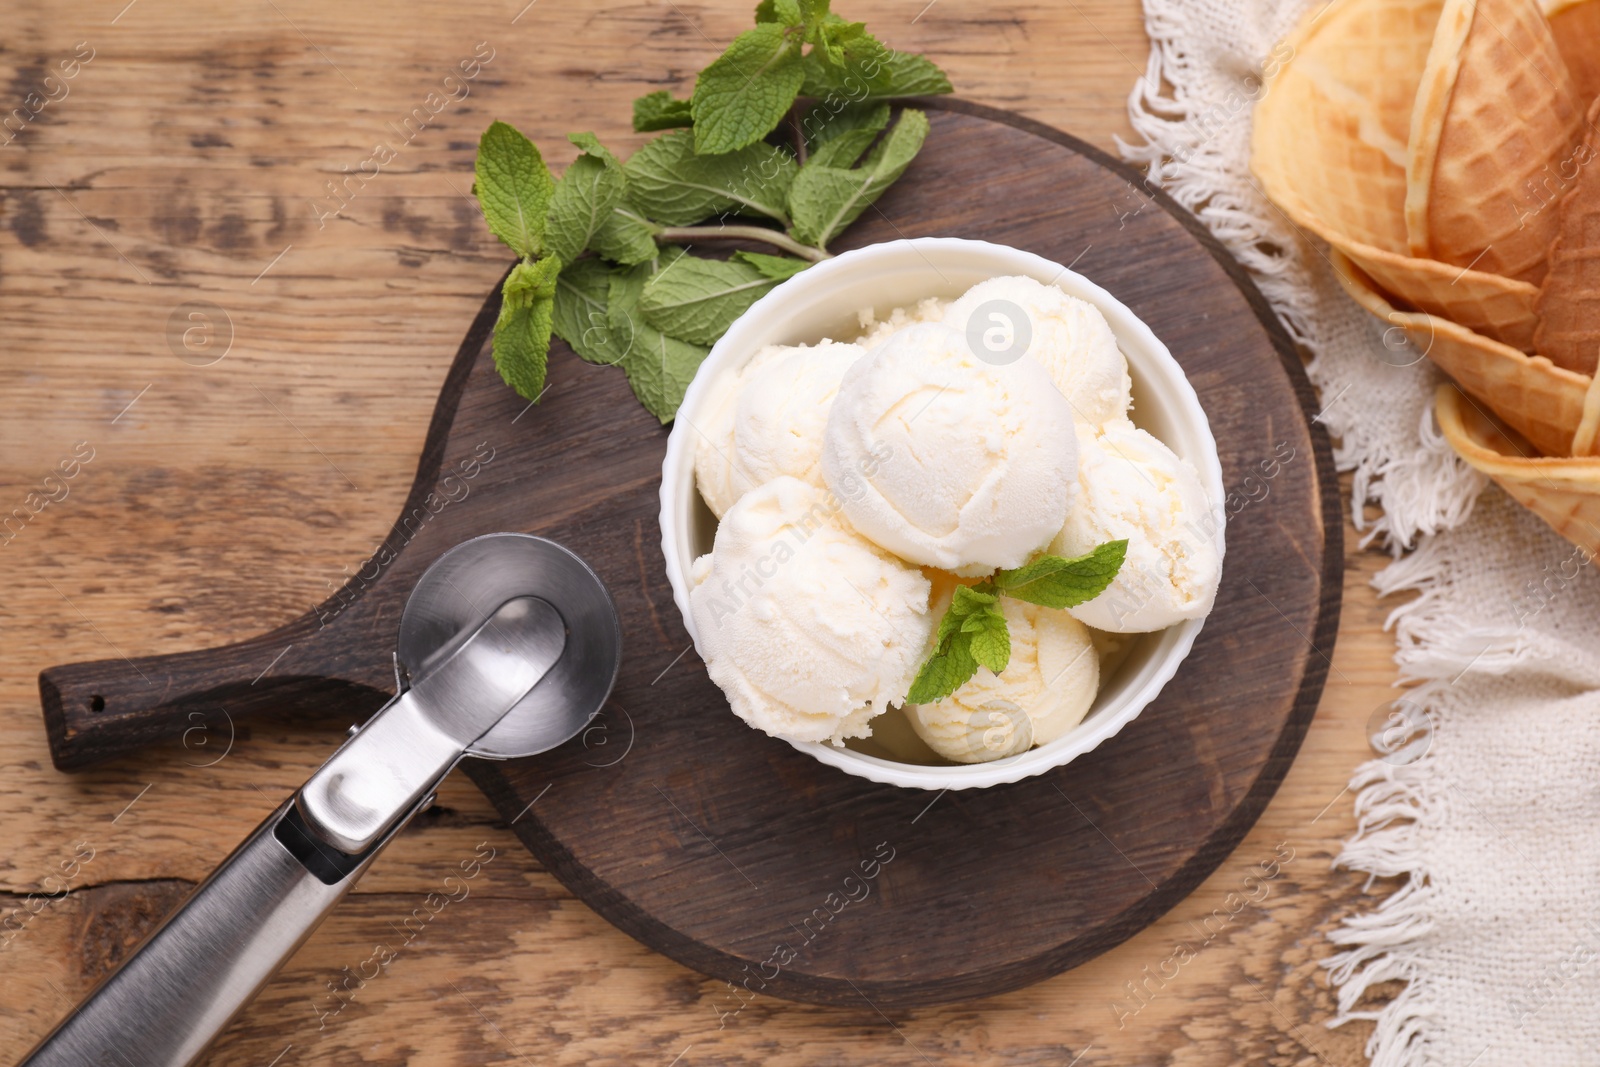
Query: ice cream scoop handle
167,1002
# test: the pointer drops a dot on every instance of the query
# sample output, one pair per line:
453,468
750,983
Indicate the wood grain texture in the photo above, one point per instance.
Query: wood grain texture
217,505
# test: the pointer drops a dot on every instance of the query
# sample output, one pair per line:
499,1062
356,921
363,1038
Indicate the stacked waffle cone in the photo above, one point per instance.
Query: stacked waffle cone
1442,149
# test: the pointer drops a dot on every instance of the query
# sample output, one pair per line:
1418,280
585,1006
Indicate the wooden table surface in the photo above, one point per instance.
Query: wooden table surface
188,159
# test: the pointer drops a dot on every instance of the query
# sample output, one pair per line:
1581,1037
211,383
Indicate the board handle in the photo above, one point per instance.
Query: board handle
194,701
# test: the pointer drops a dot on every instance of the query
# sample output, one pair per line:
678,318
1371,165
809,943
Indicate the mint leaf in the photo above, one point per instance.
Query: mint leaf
813,12
590,145
625,236
659,111
968,599
659,367
581,315
983,625
583,198
824,200
847,53
972,632
838,136
778,268
867,74
522,331
991,641
947,670
1054,582
514,188
785,12
674,186
746,91
698,299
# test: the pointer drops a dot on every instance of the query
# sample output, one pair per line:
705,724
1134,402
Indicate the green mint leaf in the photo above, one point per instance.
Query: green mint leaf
659,367
778,268
837,136
968,599
522,331
669,183
697,299
947,670
743,95
625,236
813,12
581,315
659,111
824,200
821,30
1054,582
530,280
514,188
971,632
843,49
983,625
990,642
866,74
784,12
913,75
584,198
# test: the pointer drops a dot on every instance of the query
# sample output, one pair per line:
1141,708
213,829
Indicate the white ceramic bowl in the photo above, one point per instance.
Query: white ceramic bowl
823,301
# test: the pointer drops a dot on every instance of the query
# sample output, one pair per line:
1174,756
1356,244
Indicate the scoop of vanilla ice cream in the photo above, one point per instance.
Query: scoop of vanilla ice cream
809,629
875,331
1131,485
767,420
1046,689
713,436
1067,336
782,410
946,460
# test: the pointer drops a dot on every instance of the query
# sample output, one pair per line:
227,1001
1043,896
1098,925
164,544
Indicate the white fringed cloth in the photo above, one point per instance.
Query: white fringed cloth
1486,825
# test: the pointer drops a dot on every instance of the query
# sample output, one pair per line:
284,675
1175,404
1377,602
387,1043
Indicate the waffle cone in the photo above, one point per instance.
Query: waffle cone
1576,27
1496,307
1329,147
1495,116
1332,126
1569,300
1564,492
1544,403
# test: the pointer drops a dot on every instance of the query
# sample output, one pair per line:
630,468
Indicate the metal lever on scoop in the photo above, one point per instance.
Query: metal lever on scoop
166,1004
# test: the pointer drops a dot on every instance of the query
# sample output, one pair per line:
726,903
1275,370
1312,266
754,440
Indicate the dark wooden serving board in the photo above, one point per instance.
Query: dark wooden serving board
729,850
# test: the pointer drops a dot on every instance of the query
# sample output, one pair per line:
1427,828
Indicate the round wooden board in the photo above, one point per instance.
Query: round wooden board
727,849
743,859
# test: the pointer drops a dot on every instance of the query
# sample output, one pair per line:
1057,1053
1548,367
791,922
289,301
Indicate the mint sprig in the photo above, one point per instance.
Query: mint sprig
973,631
604,259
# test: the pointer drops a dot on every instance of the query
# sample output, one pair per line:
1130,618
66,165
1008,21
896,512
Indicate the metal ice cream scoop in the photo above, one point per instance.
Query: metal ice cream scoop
512,644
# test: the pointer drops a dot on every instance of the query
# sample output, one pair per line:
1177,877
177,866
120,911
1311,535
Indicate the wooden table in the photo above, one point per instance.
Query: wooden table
189,160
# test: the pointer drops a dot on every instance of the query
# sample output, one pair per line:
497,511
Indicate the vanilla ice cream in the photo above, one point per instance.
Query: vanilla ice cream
767,420
1132,486
947,460
1068,336
1045,690
875,331
808,628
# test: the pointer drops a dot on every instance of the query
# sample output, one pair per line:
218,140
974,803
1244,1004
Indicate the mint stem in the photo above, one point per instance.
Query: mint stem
743,233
